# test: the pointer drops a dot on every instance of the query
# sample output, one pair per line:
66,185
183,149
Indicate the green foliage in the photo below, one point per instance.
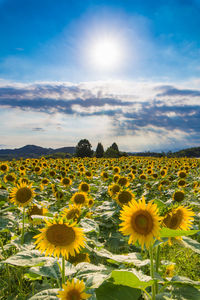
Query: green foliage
84,149
111,153
115,147
99,151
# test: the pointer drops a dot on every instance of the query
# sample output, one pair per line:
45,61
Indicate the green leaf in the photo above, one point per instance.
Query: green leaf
185,293
184,280
134,258
89,225
46,295
166,232
26,259
129,279
110,291
51,269
192,244
92,274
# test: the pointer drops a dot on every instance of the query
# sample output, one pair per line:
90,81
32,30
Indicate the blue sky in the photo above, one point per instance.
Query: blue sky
53,94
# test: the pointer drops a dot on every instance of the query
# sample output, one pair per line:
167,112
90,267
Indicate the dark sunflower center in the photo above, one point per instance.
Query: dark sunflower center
60,235
142,222
124,197
85,187
90,202
182,174
3,167
10,178
72,213
79,199
181,182
179,196
66,181
36,211
45,181
176,220
73,295
122,181
115,189
24,180
88,174
23,195
52,173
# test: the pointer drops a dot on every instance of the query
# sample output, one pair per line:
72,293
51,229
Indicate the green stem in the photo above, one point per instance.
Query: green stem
157,264
147,294
152,272
63,270
23,218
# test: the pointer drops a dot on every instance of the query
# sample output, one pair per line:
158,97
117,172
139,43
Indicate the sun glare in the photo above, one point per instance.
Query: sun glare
106,54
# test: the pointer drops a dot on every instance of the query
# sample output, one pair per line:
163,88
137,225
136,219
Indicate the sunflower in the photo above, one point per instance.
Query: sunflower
131,176
163,172
23,180
169,271
79,198
141,222
90,202
73,291
182,183
123,181
4,167
9,178
22,194
84,187
113,189
179,218
78,258
73,212
116,170
34,210
66,181
143,176
178,196
115,178
124,197
88,174
45,181
59,195
52,173
38,170
60,238
104,175
182,174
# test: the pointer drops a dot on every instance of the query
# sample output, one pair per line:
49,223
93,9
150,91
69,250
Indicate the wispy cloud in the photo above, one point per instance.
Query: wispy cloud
153,114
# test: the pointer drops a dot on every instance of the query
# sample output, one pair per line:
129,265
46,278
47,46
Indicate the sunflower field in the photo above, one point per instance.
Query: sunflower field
108,229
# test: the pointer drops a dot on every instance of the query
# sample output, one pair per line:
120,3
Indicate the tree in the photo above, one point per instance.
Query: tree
115,147
111,153
99,150
84,149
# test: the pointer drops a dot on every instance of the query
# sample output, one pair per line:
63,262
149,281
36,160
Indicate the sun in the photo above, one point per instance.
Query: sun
106,54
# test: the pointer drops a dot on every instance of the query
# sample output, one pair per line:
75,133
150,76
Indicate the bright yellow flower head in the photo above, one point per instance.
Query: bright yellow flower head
73,291
60,238
141,222
179,218
22,194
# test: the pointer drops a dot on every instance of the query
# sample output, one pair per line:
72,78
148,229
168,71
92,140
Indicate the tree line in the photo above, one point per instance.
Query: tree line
84,149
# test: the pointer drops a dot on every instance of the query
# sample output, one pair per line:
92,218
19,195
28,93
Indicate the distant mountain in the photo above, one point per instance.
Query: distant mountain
32,151
189,152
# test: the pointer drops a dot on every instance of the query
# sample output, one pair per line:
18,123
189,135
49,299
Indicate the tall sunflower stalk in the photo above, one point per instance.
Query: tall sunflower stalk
142,223
22,195
59,238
